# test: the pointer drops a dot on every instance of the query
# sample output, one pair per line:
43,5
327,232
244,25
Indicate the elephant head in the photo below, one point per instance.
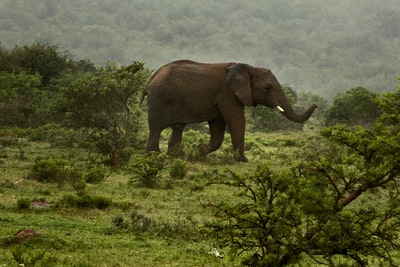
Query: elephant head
255,86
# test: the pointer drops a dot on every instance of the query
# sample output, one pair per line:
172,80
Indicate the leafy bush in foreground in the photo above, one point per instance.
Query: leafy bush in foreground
337,202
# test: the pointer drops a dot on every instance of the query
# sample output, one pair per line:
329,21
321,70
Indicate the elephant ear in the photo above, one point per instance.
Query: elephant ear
238,80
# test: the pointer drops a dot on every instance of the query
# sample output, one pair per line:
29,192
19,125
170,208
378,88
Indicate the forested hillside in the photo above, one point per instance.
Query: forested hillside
318,46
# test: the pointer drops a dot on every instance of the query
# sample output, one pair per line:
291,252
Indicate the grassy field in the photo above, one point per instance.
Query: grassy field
162,226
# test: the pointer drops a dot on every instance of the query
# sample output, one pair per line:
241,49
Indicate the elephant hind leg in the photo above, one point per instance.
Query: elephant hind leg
217,132
176,137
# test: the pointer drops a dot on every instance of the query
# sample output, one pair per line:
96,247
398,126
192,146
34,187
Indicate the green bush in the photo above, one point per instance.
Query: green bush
178,169
357,106
146,170
53,170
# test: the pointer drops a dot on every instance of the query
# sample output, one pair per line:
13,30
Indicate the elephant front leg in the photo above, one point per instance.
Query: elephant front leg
236,126
217,132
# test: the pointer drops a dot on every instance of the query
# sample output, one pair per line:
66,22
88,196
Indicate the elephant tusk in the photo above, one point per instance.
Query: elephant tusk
280,108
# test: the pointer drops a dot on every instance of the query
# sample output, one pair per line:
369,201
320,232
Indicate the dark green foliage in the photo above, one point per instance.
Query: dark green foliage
31,77
43,59
53,170
146,170
86,201
356,106
23,203
63,172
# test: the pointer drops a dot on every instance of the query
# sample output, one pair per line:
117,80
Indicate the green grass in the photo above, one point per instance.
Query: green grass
71,236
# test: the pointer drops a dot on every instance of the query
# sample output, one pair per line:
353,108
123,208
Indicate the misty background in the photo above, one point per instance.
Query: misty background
323,47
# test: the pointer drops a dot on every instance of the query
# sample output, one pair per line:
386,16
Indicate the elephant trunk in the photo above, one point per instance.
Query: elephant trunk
289,113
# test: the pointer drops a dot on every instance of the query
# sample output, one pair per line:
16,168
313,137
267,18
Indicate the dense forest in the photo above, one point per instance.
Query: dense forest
319,46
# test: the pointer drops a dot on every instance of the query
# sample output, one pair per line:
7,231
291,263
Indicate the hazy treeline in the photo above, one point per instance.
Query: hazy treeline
318,46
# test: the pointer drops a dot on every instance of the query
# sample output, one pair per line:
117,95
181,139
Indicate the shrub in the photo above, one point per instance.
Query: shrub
178,169
146,170
53,170
356,106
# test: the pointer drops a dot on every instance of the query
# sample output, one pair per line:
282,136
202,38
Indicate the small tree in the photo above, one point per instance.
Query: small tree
105,105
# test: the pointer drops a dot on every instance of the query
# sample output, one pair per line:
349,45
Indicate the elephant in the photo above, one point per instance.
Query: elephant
184,92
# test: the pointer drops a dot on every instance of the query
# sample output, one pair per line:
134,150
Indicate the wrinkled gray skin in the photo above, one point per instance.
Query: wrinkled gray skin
184,92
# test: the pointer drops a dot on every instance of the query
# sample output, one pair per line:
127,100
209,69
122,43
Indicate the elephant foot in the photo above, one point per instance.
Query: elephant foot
203,149
242,159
